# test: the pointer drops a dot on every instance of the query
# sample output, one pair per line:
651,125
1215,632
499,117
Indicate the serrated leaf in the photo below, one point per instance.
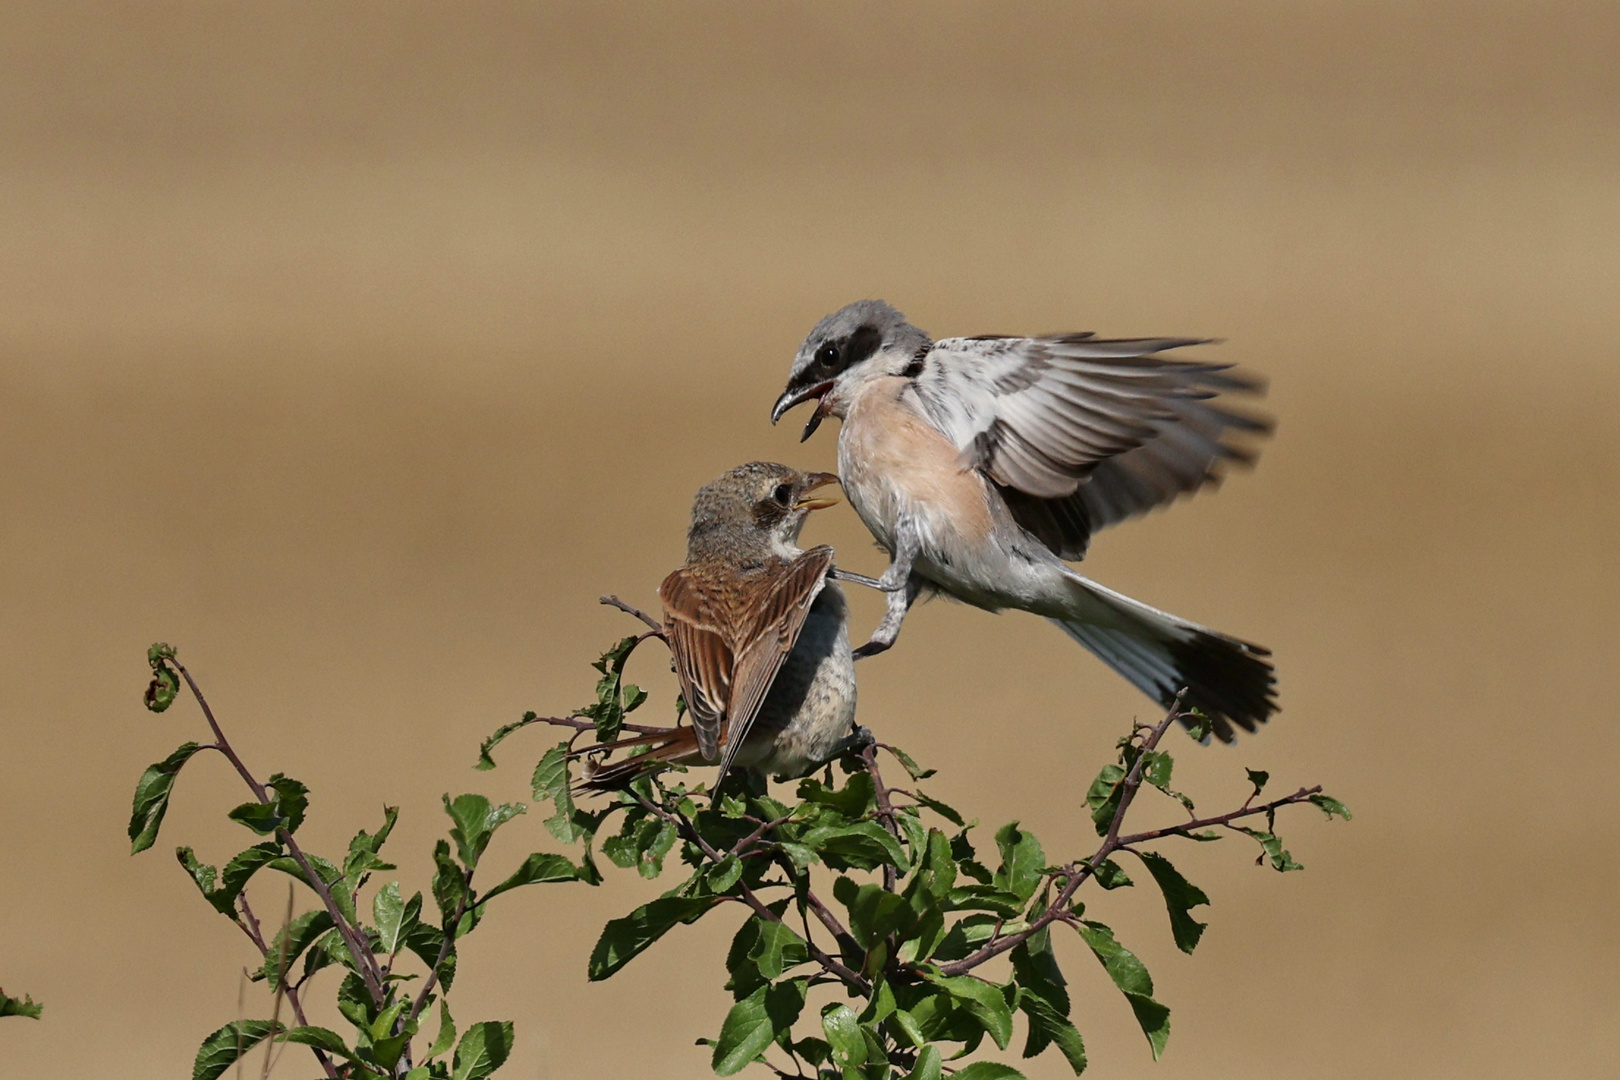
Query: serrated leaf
1258,778
23,1006
537,869
262,818
1103,797
1110,875
988,1070
220,1050
1330,806
550,782
1047,1026
388,912
776,949
929,1065
864,845
485,761
857,797
162,690
915,771
152,793
446,1038
449,882
724,874
475,821
949,813
320,1038
483,1049
744,1035
298,935
1180,895
291,800
1133,980
843,1030
1022,861
1271,850
624,939
984,1001
874,912
1036,969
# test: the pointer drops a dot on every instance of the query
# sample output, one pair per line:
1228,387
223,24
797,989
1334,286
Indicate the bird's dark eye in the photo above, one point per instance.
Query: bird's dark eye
782,494
827,355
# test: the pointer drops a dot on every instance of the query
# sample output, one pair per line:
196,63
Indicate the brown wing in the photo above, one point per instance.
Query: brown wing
700,632
774,626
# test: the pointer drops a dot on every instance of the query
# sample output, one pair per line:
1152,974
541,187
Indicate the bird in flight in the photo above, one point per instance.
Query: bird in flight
981,464
759,634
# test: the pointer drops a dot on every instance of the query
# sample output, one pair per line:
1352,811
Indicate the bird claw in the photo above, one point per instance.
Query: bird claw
871,648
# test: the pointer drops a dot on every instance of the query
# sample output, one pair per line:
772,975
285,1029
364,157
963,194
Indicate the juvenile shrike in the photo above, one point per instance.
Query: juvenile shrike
759,633
981,464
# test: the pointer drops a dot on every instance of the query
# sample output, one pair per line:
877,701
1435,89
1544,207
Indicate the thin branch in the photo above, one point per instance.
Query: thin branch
255,934
1079,872
885,807
580,724
359,949
631,609
445,948
1302,795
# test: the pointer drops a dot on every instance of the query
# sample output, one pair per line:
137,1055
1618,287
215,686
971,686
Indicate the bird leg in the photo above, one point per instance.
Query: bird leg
902,587
855,579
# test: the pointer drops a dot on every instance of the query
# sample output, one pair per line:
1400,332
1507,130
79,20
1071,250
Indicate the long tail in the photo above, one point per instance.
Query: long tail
1229,680
676,746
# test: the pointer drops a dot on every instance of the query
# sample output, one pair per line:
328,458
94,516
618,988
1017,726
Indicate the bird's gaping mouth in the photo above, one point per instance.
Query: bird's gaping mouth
791,398
817,502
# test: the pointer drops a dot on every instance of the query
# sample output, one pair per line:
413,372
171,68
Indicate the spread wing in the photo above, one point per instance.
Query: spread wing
730,643
1081,432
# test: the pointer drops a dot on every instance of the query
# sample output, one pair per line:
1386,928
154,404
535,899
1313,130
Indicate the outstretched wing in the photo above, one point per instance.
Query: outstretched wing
730,639
774,626
1081,432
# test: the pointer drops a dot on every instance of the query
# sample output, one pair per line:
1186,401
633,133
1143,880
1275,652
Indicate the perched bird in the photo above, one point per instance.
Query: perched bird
981,464
758,631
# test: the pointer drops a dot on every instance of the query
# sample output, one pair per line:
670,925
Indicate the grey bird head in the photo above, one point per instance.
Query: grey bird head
754,513
857,342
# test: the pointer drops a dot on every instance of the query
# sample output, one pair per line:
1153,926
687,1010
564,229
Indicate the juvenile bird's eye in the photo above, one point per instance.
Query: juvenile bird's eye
782,494
827,355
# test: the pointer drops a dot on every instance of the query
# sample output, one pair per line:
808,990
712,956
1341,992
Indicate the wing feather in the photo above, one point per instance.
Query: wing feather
1080,432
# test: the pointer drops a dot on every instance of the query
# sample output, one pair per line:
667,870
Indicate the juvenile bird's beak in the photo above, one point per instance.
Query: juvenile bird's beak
792,397
817,502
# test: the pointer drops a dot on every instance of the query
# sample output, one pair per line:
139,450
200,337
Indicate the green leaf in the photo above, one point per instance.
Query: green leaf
623,939
388,912
220,1050
945,811
874,912
260,817
485,762
854,799
425,942
320,1038
536,869
984,1002
152,797
484,1048
929,1066
24,1006
1258,778
1271,849
292,800
776,949
988,1070
551,782
1330,806
1103,797
1180,895
1022,861
1047,1026
1110,875
447,1033
724,874
843,1031
935,876
475,821
755,1022
915,771
449,882
607,711
363,851
1133,980
294,938
1036,968
865,845
162,690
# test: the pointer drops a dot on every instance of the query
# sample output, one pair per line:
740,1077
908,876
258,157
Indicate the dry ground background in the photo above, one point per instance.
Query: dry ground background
356,348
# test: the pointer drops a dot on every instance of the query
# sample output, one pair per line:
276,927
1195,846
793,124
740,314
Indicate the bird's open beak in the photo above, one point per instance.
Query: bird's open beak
791,398
817,502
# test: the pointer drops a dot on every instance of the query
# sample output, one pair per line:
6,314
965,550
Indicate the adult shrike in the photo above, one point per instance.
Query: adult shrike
981,464
758,632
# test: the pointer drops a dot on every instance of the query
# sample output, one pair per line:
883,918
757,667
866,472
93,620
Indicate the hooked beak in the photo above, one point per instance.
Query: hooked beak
791,398
817,502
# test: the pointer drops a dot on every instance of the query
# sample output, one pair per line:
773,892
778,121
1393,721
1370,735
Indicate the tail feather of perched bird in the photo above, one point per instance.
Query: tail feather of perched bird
757,629
677,746
981,463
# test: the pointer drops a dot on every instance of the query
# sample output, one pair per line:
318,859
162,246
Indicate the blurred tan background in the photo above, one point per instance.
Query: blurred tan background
357,348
